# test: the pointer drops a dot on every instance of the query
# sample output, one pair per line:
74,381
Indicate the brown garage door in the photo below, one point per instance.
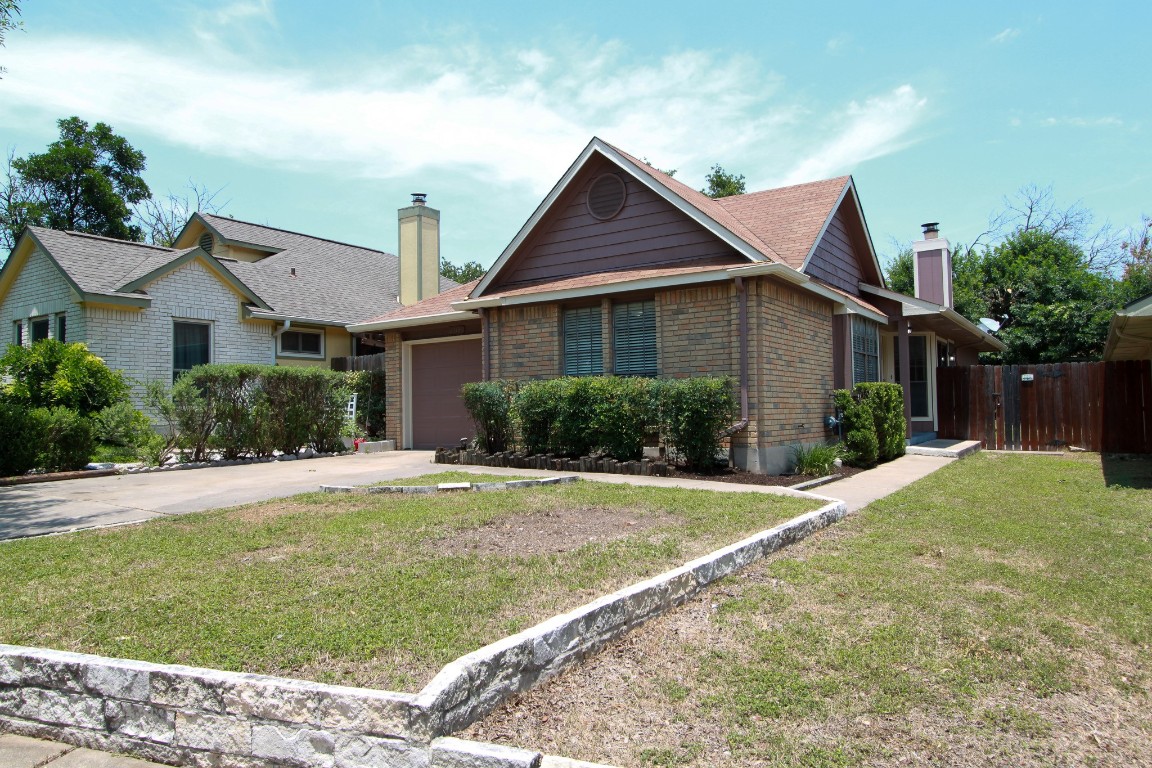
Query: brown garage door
438,371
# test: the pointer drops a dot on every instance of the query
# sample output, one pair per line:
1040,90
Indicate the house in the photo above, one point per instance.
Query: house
228,292
1130,333
624,270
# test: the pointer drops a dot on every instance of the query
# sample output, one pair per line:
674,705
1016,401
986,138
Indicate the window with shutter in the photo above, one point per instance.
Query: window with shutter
634,338
583,348
865,350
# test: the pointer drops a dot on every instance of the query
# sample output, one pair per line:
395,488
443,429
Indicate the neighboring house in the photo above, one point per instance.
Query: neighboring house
228,292
1130,334
625,270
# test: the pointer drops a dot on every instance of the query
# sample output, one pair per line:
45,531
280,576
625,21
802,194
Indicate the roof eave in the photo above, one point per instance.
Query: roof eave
922,308
411,322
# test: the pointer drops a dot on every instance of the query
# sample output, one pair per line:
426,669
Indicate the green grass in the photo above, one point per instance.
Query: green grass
354,589
986,582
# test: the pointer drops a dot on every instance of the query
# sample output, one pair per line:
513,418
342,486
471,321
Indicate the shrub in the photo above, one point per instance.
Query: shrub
307,406
815,460
51,373
370,401
693,415
489,403
21,439
122,425
232,392
861,446
577,410
66,439
886,401
535,411
621,412
158,449
195,415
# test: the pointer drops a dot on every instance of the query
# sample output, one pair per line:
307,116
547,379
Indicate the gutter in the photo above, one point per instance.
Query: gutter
257,314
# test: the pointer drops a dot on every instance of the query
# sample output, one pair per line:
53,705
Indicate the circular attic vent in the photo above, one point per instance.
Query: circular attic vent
206,242
606,196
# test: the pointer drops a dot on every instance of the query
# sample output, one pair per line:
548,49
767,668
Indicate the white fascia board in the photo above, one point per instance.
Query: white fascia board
912,307
410,322
258,314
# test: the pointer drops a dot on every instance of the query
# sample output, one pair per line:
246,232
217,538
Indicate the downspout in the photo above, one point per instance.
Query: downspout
277,334
740,426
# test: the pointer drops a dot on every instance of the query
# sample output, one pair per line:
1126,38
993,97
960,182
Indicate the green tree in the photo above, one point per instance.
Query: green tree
723,184
88,180
1137,280
461,273
8,10
967,298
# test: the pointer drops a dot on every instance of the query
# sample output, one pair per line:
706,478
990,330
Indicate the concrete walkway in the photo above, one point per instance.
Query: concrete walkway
69,505
157,494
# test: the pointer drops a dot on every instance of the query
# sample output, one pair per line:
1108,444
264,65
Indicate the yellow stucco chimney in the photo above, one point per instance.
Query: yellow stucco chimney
419,249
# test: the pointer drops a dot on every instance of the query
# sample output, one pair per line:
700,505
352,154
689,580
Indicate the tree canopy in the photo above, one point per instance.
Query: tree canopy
723,184
9,9
461,273
87,181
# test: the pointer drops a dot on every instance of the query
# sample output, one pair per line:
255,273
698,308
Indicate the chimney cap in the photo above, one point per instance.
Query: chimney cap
419,198
932,227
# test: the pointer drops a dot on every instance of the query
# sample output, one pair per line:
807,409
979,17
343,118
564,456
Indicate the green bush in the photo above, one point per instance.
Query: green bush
195,414
693,414
371,409
51,373
67,438
232,391
122,425
861,446
536,411
21,440
308,407
621,413
815,460
886,401
489,403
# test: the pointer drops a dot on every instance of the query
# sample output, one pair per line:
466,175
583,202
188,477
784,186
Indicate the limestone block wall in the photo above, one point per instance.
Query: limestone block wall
40,290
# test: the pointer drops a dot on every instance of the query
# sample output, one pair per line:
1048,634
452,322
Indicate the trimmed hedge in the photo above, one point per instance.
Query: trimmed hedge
22,435
873,416
370,402
605,415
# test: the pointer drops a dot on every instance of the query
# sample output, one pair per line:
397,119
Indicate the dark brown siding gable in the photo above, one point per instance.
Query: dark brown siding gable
647,232
836,260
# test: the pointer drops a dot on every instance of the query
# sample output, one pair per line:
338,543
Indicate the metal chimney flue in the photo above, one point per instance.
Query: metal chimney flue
419,198
931,230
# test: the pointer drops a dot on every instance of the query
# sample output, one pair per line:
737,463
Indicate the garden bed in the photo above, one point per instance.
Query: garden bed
376,590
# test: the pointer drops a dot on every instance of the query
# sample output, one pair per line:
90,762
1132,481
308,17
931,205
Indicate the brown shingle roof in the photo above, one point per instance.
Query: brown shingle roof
439,304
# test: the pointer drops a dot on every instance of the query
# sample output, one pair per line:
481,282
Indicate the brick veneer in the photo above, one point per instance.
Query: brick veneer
525,342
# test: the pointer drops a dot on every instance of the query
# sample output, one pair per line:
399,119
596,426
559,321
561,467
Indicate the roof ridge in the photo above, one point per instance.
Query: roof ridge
105,238
293,232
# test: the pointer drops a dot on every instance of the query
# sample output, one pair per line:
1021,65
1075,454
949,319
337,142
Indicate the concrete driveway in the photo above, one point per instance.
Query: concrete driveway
68,505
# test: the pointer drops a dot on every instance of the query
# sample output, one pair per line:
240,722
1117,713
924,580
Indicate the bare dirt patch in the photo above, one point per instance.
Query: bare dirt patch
741,477
550,530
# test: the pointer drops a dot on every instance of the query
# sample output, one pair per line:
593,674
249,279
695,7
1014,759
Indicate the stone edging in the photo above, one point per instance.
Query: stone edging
450,487
210,718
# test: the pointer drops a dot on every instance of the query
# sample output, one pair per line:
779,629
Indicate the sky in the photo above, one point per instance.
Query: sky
322,118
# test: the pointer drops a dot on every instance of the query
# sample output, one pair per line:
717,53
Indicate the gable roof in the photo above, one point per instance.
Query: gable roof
781,226
1130,332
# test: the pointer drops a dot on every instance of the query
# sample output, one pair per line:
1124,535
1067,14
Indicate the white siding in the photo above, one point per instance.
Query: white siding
40,290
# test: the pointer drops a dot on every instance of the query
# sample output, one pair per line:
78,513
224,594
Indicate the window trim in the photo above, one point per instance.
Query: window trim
62,327
46,324
211,343
302,331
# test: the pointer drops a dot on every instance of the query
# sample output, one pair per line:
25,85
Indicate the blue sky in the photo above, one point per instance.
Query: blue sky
322,118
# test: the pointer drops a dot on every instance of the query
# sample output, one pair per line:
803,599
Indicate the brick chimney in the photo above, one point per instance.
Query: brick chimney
932,267
419,249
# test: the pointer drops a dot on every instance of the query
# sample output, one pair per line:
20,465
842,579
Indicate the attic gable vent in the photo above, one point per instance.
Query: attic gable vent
206,242
606,196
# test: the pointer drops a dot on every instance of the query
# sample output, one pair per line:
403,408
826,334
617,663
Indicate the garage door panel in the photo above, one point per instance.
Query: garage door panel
439,417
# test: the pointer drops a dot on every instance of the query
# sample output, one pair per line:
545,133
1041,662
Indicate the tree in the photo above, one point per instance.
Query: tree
648,163
967,296
87,181
8,9
462,273
1137,279
723,184
161,220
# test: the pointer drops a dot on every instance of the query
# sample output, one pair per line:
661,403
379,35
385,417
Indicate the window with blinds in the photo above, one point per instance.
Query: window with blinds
865,350
191,346
634,338
583,347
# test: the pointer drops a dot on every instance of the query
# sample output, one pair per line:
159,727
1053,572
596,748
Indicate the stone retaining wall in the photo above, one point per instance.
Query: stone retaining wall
214,719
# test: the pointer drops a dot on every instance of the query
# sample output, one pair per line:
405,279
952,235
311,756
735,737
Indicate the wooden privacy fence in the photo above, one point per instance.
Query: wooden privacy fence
1095,406
359,363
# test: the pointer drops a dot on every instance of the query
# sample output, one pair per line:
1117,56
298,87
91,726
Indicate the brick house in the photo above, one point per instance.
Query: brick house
227,292
623,270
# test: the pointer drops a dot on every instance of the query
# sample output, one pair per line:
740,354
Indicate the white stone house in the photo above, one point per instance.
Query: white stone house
228,292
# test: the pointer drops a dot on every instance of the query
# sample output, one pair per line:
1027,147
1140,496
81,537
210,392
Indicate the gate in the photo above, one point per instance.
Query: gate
1095,406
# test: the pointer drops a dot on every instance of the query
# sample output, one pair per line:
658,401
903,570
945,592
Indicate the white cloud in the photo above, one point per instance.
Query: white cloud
514,117
1084,122
837,44
1011,33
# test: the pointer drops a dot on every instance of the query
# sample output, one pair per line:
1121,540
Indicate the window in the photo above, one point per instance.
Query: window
634,338
18,334
583,349
62,328
39,329
191,346
918,374
302,343
865,350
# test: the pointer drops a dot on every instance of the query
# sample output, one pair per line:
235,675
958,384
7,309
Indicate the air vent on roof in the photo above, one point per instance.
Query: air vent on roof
206,241
606,196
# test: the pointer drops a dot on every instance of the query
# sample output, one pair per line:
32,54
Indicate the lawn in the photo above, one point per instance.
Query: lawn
368,590
998,612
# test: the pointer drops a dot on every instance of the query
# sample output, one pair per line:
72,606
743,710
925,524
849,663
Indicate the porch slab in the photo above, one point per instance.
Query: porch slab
953,449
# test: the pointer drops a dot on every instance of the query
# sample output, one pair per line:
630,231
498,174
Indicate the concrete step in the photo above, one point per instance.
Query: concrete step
953,449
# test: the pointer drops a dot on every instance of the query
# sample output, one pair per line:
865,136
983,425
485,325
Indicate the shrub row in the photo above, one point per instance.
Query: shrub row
603,415
53,439
251,410
873,418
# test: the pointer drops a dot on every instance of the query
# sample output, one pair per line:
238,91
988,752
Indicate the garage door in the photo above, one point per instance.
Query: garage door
438,371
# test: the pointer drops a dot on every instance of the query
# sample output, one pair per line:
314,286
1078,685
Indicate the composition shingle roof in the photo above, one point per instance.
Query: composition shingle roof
101,264
439,304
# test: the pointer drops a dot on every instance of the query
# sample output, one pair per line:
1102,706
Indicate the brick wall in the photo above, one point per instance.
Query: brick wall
525,342
393,393
38,291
